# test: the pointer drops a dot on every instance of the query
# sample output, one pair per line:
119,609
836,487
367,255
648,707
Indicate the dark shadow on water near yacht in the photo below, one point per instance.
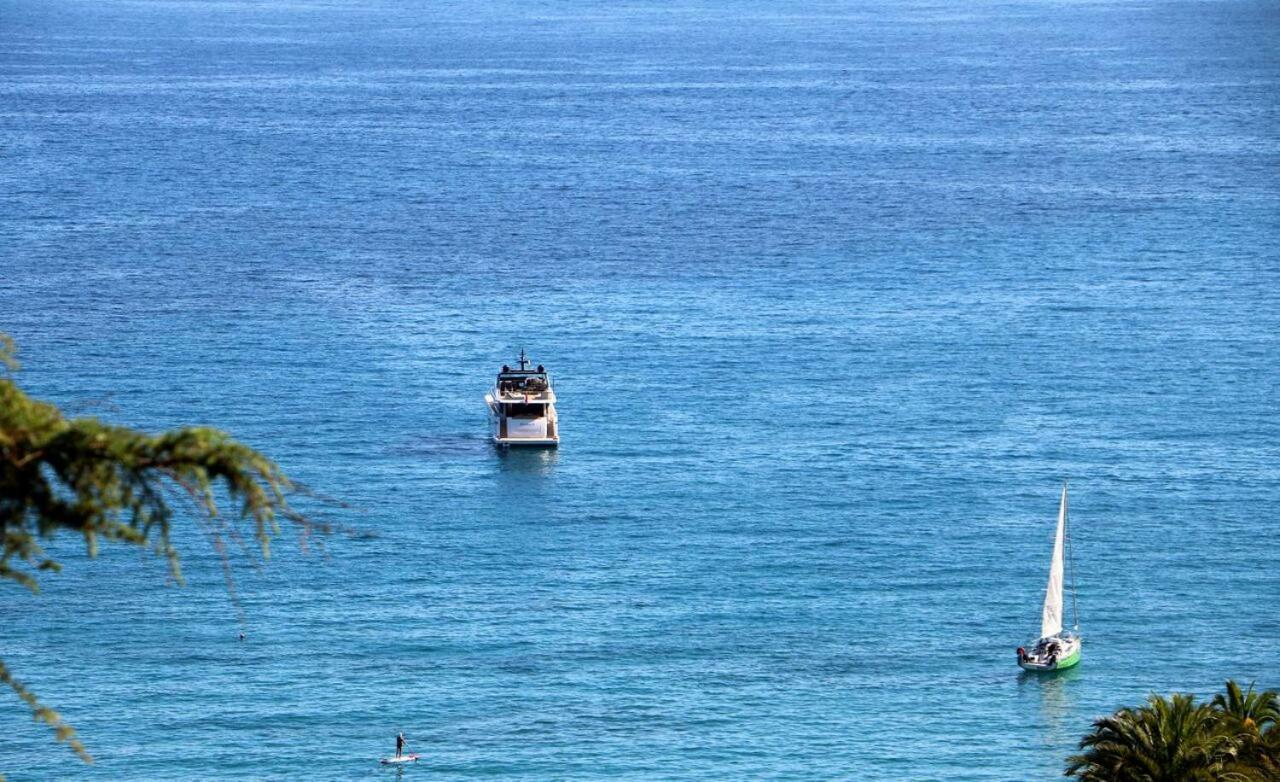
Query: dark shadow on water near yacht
445,446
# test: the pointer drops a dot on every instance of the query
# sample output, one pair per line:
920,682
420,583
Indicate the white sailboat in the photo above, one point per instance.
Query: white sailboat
1055,649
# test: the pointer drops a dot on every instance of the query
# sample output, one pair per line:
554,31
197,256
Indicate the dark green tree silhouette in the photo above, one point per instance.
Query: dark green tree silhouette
115,484
1253,719
1175,739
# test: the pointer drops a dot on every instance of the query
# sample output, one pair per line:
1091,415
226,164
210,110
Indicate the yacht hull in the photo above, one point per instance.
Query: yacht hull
524,442
522,410
1070,661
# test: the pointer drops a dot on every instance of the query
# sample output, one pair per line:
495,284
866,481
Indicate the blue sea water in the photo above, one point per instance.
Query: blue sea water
835,296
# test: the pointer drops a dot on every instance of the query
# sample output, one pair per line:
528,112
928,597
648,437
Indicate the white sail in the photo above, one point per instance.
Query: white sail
1051,616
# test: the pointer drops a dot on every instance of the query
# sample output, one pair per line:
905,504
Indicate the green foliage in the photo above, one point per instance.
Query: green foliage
112,483
1251,711
1232,739
42,713
1253,718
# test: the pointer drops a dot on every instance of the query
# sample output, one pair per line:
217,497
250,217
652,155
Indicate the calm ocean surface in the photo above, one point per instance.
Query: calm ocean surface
835,295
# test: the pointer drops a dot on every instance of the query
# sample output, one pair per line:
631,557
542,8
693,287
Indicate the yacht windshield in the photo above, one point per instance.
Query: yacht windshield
522,384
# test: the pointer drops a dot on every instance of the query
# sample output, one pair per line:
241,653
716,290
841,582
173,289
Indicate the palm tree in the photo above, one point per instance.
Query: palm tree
1167,740
1255,711
1268,758
1253,719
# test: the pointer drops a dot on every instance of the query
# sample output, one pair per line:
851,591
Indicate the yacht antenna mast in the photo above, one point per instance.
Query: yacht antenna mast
524,362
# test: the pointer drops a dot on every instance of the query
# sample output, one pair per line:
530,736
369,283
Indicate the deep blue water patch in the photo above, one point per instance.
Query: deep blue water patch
834,296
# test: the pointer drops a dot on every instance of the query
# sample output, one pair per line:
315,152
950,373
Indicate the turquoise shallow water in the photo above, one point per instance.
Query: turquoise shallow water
834,296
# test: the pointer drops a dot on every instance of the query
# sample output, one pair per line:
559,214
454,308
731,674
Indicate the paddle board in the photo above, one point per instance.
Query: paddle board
410,758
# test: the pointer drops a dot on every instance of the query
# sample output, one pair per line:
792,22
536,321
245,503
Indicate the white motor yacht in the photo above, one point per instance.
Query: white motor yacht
522,407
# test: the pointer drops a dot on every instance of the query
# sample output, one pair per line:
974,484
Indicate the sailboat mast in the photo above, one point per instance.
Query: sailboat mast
1071,562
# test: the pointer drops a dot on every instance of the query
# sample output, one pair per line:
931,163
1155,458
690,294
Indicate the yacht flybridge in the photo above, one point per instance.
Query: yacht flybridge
522,407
